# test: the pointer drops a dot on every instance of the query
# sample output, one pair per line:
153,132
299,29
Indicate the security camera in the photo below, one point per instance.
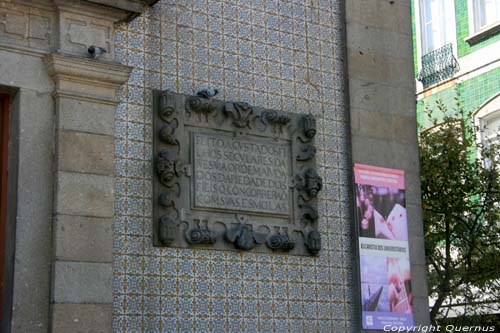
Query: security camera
95,51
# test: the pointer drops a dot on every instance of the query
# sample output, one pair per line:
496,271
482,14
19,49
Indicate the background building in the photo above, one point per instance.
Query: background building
457,46
457,56
78,246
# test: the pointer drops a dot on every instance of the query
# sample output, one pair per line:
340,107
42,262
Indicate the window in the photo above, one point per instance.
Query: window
486,12
487,121
436,41
490,127
437,24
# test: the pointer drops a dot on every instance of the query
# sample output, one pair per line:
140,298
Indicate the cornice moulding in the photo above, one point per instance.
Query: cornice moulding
86,69
133,7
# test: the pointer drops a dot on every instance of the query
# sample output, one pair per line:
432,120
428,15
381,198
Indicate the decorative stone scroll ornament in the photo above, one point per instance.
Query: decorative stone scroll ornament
231,176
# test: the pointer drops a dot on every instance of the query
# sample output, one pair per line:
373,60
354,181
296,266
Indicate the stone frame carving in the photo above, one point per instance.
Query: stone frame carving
186,214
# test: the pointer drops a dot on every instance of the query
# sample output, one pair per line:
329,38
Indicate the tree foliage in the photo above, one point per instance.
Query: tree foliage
461,213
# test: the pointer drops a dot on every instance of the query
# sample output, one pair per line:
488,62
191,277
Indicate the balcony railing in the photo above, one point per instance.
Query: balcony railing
438,65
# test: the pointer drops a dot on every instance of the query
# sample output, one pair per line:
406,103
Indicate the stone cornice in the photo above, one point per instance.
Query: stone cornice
86,78
85,68
133,7
89,8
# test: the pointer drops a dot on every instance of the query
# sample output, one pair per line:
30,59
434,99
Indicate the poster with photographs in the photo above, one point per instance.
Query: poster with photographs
382,230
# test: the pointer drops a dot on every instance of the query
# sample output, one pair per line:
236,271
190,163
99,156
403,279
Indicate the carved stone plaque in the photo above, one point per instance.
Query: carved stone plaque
241,174
231,176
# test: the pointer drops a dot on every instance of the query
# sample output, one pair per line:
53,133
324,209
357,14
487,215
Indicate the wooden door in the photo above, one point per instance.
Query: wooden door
4,141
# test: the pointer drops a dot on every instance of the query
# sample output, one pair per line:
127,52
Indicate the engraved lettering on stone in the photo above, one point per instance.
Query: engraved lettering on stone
240,174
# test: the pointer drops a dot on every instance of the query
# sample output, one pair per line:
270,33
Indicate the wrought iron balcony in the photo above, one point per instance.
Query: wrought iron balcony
438,65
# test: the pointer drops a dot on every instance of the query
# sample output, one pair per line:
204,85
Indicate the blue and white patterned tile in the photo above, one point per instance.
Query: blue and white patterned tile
250,325
257,89
203,306
265,289
203,324
235,325
234,289
169,324
219,325
267,325
133,323
280,309
219,306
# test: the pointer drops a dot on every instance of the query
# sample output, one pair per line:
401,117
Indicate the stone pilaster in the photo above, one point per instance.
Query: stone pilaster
382,112
85,101
85,98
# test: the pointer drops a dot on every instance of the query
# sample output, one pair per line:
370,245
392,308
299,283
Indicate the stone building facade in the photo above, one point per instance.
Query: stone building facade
78,248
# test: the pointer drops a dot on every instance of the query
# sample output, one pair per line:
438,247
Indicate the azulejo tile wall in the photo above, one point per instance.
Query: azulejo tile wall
279,54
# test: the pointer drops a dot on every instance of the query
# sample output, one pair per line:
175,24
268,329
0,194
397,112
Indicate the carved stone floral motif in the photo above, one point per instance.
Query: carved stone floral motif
241,112
309,126
165,166
203,107
306,153
201,236
277,119
167,230
243,237
280,242
309,183
231,176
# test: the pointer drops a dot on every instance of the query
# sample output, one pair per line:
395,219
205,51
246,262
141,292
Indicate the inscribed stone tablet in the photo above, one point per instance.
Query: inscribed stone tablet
241,174
232,176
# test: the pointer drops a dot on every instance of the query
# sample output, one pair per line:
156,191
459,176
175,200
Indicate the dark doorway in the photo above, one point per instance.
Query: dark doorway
4,145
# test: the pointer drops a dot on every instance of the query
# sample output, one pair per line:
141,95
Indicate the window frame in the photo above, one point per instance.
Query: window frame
472,15
419,42
488,110
477,36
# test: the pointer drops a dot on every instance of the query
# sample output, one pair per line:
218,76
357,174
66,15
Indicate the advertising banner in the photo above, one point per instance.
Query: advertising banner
386,297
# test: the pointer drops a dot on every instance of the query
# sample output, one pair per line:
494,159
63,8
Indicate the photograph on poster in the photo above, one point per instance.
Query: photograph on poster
381,212
399,281
385,291
374,284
